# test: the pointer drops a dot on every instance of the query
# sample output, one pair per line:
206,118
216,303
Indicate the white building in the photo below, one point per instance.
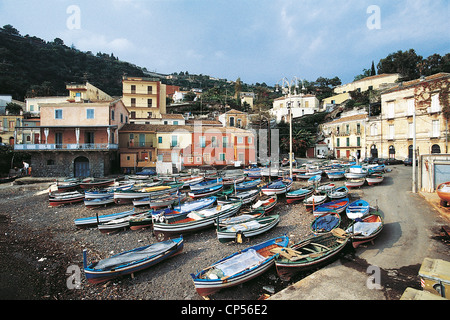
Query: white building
301,105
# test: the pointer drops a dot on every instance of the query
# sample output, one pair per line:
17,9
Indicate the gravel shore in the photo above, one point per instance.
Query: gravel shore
40,245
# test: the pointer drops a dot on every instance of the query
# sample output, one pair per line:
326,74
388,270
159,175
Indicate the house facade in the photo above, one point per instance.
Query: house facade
145,98
75,139
414,109
234,118
301,104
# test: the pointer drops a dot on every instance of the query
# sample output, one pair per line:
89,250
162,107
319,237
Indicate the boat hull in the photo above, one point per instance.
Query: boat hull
267,223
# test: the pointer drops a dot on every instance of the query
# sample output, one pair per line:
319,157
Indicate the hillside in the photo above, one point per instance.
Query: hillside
30,66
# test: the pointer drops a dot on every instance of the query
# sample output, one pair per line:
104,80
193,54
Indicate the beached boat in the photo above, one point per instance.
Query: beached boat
279,186
355,172
68,184
374,178
160,201
266,202
325,223
59,199
127,196
338,193
189,181
247,185
307,175
182,209
354,183
193,221
357,209
96,202
365,229
337,206
299,194
244,230
253,173
443,192
122,223
324,188
310,253
243,216
208,191
233,179
90,183
238,267
377,168
93,221
314,200
314,179
244,196
333,175
206,184
131,261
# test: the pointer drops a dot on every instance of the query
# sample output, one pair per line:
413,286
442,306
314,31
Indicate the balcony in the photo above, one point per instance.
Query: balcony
67,147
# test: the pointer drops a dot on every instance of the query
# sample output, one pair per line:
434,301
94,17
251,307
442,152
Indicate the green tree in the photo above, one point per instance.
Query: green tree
405,63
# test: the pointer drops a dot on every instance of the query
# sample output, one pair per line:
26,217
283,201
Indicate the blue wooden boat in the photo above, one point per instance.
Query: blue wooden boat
333,175
277,187
208,191
325,223
357,209
93,221
238,267
247,229
299,194
247,185
338,193
314,179
131,261
96,202
206,184
338,206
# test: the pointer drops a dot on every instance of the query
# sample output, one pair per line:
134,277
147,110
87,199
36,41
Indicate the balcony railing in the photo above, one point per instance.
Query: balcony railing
66,146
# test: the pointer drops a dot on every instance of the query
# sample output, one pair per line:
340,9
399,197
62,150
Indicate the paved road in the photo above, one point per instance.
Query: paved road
381,271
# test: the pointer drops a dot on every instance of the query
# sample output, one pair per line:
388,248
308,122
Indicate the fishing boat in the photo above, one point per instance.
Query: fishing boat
121,223
100,193
377,168
307,175
241,218
206,184
355,172
314,179
253,173
131,261
357,209
208,191
333,175
314,200
90,183
232,179
365,229
68,184
160,201
325,223
244,230
299,194
354,183
337,205
188,181
96,202
127,196
443,192
310,253
193,221
374,178
247,185
238,267
279,186
93,221
266,202
63,198
161,215
338,193
324,188
244,196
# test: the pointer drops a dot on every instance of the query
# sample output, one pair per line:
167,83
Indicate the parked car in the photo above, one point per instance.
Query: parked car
393,161
381,161
408,162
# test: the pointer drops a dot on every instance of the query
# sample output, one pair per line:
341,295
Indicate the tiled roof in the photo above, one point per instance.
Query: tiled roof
172,116
412,83
349,118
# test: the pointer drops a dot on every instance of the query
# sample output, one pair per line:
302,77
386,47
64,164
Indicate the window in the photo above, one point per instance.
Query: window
149,103
90,114
222,157
231,121
31,107
390,110
175,123
249,140
133,114
240,139
133,88
58,114
214,142
391,132
358,141
337,142
149,89
202,142
435,106
174,141
224,142
121,118
133,102
160,157
410,107
112,114
358,128
347,128
348,142
159,139
435,128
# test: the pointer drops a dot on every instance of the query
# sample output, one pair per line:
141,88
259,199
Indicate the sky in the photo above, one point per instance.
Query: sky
258,41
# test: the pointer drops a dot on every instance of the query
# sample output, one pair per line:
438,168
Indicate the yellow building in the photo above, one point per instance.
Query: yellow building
8,124
377,82
414,109
346,135
86,92
145,98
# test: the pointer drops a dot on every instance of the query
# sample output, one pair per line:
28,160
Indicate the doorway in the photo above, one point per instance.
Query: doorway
81,167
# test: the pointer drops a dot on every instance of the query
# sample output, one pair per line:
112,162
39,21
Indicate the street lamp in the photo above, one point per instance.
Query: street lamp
293,82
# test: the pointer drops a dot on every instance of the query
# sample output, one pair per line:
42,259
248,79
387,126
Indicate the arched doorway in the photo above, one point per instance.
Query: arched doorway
410,151
374,151
435,148
392,152
81,167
